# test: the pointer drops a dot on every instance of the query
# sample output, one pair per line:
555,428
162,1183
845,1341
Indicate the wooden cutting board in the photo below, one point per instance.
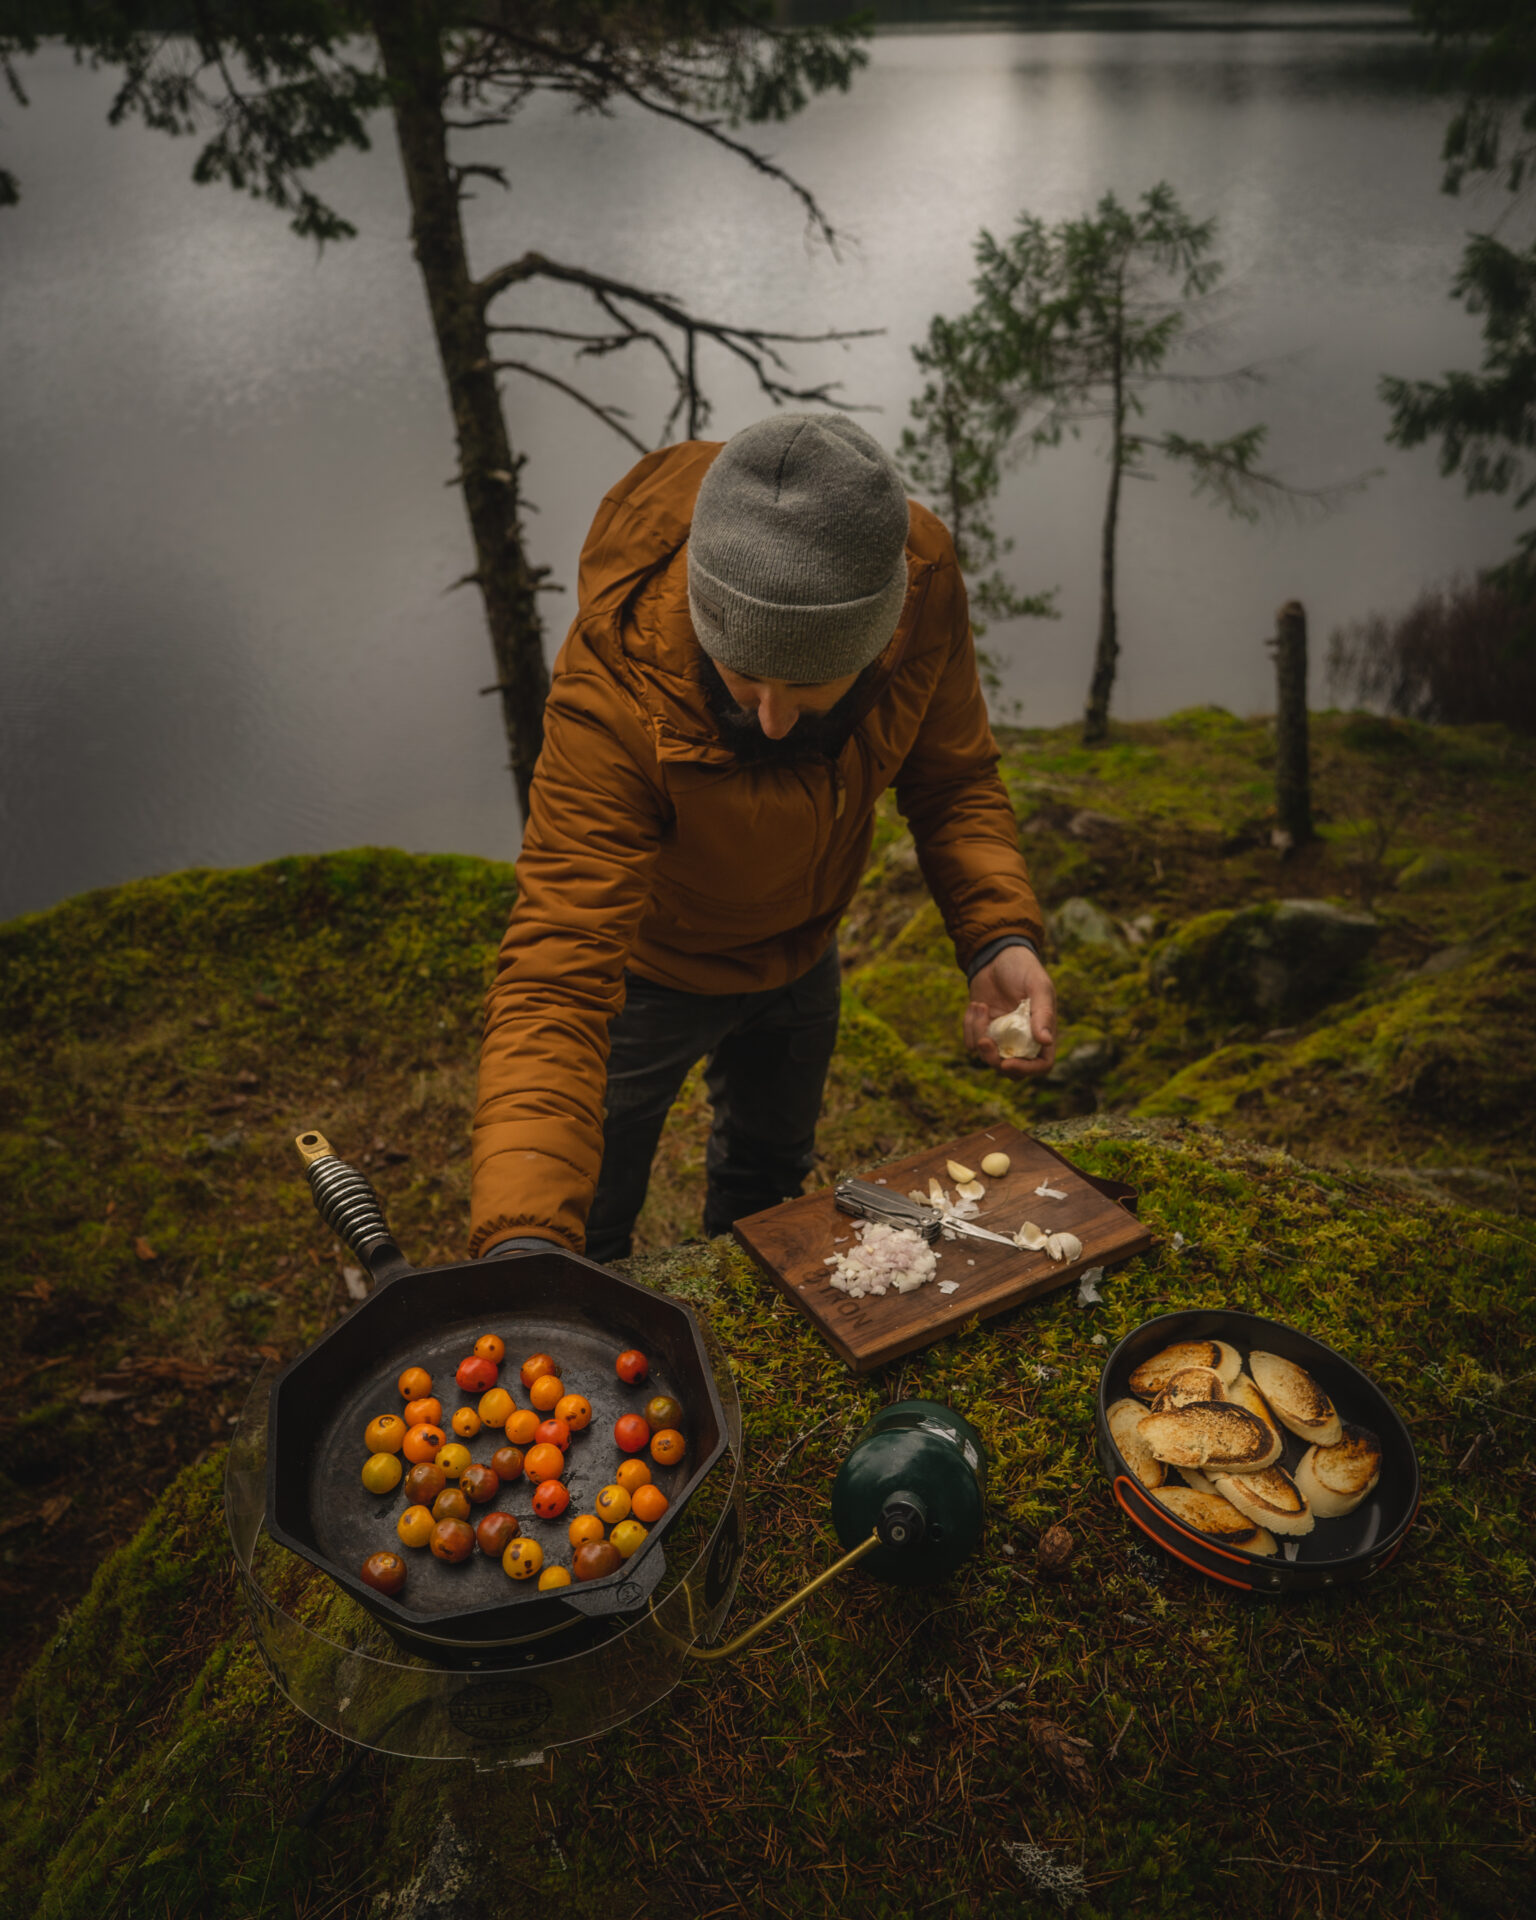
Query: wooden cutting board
791,1244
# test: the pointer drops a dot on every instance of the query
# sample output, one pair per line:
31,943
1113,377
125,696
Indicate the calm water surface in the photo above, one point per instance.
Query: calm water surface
225,537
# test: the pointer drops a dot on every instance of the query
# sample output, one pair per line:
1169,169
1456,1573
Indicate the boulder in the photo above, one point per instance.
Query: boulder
1273,963
1078,922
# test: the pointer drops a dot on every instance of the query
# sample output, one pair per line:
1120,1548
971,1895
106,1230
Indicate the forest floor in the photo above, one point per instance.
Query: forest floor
1354,1157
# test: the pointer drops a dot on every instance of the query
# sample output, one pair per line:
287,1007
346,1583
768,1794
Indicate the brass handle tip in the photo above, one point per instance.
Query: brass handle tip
314,1146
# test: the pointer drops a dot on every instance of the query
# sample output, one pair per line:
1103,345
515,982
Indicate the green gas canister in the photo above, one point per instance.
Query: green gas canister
916,1476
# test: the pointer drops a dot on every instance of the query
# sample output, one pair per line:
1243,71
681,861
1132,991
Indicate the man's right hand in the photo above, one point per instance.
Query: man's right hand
1016,974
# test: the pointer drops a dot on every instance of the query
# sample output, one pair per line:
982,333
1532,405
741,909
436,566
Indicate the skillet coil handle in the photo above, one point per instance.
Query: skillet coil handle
349,1206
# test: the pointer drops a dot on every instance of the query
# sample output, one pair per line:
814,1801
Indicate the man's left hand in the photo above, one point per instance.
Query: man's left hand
1016,974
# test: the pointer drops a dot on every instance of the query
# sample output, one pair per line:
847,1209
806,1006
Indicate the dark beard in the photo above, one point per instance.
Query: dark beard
814,736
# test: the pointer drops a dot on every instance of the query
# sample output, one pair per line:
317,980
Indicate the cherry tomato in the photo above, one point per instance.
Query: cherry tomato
453,1459
575,1410
523,1559
414,1383
550,1499
496,1407
631,1431
543,1463
491,1346
451,1504
424,1413
668,1447
629,1537
554,1577
547,1392
507,1463
424,1483
466,1423
553,1432
632,1474
595,1559
415,1526
382,1472
664,1411
475,1375
611,1504
453,1540
384,1435
649,1504
495,1533
424,1443
536,1364
631,1366
586,1526
480,1483
385,1571
522,1427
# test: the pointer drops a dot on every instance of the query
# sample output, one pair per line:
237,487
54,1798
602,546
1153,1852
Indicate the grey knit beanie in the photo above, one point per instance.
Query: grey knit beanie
797,556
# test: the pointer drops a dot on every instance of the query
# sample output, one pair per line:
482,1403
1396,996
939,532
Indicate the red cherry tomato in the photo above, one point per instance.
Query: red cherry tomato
384,1571
451,1504
550,1499
453,1540
535,1365
424,1483
495,1534
480,1483
553,1433
631,1431
631,1366
594,1559
507,1463
475,1375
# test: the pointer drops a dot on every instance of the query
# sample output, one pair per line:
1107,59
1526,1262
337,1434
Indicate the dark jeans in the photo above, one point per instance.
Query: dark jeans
767,1064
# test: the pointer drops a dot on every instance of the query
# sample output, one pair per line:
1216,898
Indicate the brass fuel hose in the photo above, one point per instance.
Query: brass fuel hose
733,1647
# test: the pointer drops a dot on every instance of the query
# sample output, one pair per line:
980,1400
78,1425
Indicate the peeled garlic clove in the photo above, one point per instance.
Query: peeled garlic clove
1063,1246
996,1165
971,1190
1014,1034
1030,1236
962,1176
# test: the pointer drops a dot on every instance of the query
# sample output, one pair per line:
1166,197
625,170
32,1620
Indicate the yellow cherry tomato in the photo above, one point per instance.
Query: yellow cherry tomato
628,1536
385,1435
453,1459
632,1473
586,1526
382,1472
554,1577
546,1391
491,1346
522,1560
612,1504
467,1423
496,1407
575,1409
415,1526
522,1426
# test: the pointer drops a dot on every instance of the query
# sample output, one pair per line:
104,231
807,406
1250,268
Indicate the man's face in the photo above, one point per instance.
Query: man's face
777,720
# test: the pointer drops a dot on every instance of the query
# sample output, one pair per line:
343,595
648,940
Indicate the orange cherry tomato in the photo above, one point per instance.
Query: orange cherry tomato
550,1499
668,1447
631,1431
543,1463
547,1392
586,1526
631,1366
427,1412
554,1577
424,1443
521,1428
453,1540
466,1423
575,1410
496,1407
553,1432
453,1458
384,1435
382,1472
523,1559
611,1504
535,1365
491,1346
414,1383
628,1536
415,1526
649,1504
632,1474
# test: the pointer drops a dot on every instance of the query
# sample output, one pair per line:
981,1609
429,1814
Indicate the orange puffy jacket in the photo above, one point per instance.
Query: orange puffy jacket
649,846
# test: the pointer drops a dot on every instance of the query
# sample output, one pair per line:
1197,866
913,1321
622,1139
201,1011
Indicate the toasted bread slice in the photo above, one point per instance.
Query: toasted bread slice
1208,1513
1296,1398
1193,1477
1270,1498
1138,1456
1243,1393
1230,1363
1208,1434
1336,1479
1184,1388
1153,1374
1263,1541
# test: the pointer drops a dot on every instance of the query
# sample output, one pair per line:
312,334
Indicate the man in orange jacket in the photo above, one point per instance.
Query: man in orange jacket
768,635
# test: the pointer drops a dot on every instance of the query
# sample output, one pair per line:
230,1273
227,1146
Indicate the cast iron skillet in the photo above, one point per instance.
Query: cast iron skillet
1335,1552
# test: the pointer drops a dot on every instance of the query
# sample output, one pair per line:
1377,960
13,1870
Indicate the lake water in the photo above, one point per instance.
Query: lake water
225,537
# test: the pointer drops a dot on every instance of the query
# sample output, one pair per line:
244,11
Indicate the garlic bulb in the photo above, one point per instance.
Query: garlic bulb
1014,1034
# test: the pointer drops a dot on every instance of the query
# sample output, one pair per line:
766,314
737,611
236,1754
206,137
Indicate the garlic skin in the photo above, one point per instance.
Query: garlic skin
971,1190
996,1165
1063,1246
1014,1034
1030,1237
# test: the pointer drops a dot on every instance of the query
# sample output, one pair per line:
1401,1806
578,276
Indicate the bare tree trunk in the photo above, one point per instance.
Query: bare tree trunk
1096,718
1293,786
407,32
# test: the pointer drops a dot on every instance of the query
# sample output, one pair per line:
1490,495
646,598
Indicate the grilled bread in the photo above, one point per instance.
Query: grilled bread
1207,1434
1243,1393
1208,1513
1298,1401
1334,1480
1184,1388
1270,1498
1193,1477
1138,1456
1153,1374
1263,1541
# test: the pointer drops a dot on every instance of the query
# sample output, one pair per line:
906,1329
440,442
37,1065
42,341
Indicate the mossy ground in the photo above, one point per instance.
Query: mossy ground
1368,1751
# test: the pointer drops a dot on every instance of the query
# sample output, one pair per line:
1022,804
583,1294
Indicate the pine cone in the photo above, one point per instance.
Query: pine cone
1066,1753
1053,1556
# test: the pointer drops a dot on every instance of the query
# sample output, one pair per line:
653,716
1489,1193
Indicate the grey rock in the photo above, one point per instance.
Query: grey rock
1429,870
1083,1065
1085,824
1078,922
1445,961
1273,964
